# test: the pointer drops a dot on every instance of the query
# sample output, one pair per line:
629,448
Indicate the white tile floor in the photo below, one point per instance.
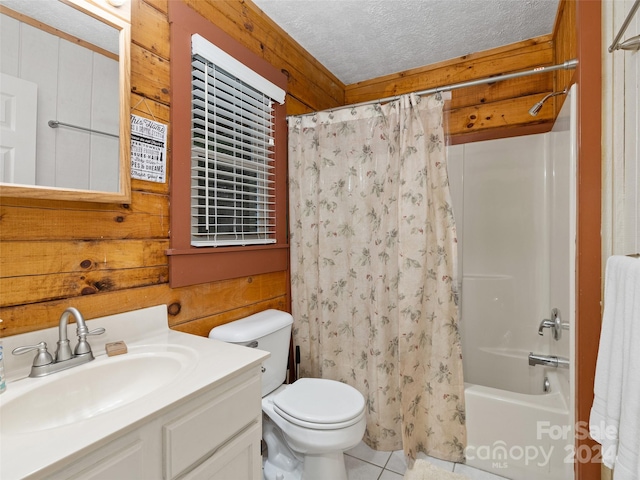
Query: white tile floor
364,463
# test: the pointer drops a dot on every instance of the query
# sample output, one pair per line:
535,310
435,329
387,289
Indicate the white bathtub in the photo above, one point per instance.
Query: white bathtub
521,435
514,202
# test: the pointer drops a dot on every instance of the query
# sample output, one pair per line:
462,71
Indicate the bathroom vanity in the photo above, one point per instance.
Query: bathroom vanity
174,406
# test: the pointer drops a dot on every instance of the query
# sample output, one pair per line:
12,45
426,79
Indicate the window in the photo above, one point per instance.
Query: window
232,160
228,178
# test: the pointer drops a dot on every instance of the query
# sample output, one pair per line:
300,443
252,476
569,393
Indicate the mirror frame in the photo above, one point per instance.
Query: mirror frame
121,22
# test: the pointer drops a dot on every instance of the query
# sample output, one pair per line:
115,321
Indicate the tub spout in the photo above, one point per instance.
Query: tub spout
548,360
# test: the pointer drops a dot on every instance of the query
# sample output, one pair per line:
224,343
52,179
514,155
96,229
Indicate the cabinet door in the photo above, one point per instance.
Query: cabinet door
119,460
240,459
205,428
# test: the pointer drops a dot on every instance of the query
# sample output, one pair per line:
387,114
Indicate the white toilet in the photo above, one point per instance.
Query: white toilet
306,425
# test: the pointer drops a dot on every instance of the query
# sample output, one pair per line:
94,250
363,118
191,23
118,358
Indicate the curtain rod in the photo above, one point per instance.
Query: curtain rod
568,65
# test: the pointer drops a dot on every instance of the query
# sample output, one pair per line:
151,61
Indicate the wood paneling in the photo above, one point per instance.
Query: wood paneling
111,258
24,290
149,74
565,47
184,304
145,217
108,258
506,59
309,81
203,326
497,107
150,29
503,114
21,259
495,92
143,107
160,5
60,269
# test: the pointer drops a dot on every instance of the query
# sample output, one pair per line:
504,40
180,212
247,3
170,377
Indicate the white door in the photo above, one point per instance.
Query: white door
18,115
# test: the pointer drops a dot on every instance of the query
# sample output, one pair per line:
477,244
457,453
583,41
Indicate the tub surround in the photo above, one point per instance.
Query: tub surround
210,365
518,251
526,443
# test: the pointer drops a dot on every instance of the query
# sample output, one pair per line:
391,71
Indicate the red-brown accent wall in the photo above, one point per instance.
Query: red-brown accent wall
588,262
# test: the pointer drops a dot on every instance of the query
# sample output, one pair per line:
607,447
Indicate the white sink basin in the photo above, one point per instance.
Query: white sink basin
92,389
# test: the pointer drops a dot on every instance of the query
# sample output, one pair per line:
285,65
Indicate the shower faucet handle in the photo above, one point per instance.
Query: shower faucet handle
555,325
546,324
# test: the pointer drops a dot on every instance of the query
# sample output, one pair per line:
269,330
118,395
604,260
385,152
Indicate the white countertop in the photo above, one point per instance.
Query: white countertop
27,453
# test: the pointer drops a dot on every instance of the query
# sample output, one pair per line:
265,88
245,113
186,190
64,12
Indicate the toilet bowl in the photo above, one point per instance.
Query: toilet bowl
308,424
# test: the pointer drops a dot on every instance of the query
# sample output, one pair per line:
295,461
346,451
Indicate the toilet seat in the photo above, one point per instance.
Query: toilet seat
320,404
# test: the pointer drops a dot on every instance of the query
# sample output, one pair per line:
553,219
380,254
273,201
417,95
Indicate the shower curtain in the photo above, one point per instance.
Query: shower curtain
373,262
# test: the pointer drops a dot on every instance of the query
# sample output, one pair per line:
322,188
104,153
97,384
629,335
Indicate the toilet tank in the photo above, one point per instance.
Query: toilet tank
269,330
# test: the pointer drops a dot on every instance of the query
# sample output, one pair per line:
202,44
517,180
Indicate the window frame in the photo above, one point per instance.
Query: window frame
189,265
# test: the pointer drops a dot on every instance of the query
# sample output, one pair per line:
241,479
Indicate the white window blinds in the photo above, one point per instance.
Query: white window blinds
232,160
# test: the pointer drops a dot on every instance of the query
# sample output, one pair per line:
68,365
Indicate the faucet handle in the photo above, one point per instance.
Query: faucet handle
43,357
96,331
554,324
545,324
83,346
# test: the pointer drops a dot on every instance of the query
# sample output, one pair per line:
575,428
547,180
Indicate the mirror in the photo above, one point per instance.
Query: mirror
65,100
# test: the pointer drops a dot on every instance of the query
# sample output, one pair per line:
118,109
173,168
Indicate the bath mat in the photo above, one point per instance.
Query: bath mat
423,470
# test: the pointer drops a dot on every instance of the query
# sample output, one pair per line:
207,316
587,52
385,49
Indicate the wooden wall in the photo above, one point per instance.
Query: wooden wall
497,109
565,46
481,108
106,259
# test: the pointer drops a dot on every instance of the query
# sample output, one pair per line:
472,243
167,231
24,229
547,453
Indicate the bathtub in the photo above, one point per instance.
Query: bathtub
520,431
517,251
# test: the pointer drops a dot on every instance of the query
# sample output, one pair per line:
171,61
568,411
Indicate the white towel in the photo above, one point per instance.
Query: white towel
615,414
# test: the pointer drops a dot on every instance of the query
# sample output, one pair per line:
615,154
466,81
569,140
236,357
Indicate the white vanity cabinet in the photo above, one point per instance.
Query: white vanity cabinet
175,406
218,437
213,434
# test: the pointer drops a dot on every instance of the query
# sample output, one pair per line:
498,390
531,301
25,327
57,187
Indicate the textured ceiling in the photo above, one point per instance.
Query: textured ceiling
364,39
69,20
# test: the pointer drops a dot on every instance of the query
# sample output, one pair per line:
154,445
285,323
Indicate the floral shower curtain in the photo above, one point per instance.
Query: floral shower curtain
373,262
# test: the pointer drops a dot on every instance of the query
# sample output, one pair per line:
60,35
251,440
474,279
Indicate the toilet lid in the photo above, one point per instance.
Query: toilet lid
314,402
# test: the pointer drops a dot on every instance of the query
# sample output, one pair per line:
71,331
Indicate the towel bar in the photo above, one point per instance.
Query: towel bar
632,43
56,124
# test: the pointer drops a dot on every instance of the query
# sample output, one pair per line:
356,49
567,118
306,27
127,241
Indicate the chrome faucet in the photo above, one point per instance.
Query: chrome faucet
45,364
555,325
548,360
